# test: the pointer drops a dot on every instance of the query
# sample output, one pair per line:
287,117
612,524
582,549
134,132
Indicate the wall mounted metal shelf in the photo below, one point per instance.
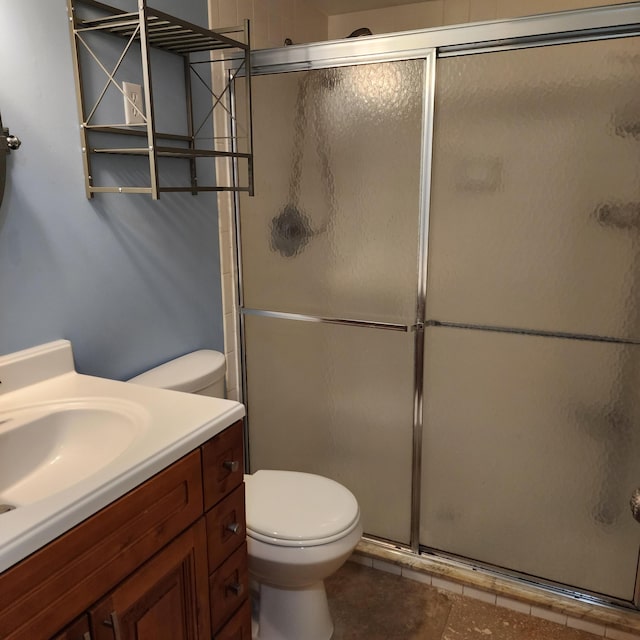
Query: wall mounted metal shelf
142,31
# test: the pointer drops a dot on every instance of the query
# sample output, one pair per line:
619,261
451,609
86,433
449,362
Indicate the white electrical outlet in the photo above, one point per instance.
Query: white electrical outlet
133,103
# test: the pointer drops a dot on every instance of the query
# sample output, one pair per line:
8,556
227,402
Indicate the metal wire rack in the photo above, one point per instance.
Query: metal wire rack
142,31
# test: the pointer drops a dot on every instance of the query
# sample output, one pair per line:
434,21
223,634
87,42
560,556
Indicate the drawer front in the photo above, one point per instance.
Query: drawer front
222,464
225,527
229,587
45,591
239,627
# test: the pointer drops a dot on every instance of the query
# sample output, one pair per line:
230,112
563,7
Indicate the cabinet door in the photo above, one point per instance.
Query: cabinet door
166,599
43,593
78,630
239,627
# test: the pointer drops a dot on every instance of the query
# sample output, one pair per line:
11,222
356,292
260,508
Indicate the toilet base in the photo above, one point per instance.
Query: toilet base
293,614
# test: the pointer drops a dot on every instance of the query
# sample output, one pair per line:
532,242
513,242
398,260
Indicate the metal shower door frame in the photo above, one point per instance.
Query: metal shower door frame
430,44
428,55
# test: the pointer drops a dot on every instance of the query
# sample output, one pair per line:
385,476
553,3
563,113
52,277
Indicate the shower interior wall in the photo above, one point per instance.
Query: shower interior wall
305,21
440,13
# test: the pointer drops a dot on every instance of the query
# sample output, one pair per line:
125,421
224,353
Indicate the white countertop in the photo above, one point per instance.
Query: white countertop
173,424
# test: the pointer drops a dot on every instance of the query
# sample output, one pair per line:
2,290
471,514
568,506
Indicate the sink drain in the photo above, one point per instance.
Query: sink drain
6,507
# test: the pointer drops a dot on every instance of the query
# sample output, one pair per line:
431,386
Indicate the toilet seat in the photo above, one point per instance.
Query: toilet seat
295,509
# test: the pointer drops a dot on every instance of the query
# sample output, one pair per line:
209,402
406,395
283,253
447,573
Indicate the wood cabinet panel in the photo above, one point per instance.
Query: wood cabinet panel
226,527
79,630
166,599
228,587
39,595
239,627
222,464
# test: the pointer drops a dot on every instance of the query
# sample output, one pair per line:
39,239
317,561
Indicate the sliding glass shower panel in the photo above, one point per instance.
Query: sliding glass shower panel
333,229
335,400
535,207
530,455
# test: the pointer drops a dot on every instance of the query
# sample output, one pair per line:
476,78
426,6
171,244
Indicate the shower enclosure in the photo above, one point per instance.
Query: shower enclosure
440,288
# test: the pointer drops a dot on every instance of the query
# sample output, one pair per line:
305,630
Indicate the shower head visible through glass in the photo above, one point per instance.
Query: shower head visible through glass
362,31
291,229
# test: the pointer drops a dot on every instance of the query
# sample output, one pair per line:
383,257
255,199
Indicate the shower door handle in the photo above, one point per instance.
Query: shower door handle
8,141
13,143
635,504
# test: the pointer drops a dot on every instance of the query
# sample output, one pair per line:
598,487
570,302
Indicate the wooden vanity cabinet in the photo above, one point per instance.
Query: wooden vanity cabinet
160,563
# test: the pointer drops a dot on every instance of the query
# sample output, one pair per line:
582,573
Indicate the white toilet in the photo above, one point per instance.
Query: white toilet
301,527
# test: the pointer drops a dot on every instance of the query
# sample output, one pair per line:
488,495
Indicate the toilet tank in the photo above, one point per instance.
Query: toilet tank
200,372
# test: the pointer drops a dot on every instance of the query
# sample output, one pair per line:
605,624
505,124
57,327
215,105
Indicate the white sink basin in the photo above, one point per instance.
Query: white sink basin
48,447
71,444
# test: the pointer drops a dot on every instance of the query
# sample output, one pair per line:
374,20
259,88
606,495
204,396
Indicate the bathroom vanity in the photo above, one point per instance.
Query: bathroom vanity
151,545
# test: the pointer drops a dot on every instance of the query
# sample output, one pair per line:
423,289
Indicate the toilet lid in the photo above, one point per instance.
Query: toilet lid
298,507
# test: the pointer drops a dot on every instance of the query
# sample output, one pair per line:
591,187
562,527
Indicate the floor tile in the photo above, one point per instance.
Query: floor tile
368,604
472,620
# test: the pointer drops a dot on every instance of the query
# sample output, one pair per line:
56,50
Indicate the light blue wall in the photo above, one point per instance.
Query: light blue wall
131,282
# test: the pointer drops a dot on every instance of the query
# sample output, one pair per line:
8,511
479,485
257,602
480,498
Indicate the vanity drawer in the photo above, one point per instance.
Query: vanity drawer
228,587
41,594
225,527
222,464
239,627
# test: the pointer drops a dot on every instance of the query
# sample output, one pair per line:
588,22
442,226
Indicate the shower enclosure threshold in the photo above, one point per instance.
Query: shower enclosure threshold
537,599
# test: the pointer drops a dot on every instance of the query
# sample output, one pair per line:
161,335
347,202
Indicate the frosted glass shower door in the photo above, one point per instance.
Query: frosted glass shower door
335,400
329,249
532,360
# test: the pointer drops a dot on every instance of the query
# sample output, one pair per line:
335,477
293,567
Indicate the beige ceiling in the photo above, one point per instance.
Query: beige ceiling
332,7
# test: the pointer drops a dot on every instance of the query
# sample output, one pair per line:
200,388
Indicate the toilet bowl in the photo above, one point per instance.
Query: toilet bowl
301,527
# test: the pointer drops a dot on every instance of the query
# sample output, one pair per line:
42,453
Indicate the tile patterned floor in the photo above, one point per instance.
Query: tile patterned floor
368,604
